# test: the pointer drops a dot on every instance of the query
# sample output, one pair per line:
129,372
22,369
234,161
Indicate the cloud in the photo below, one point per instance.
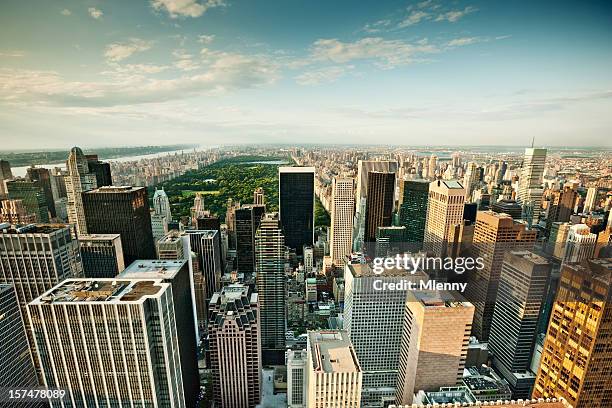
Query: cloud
460,42
185,61
376,26
322,75
205,39
66,12
186,8
12,54
455,15
385,53
95,13
119,51
413,18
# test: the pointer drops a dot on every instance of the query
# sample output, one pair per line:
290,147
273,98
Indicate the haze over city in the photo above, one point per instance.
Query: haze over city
117,73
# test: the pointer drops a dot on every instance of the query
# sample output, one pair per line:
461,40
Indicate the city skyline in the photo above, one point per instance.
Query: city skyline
217,72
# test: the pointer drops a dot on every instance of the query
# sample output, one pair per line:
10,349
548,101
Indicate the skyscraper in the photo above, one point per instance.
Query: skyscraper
31,195
297,388
14,212
494,234
470,180
5,174
247,220
530,183
270,268
296,205
235,347
78,180
42,177
522,290
109,342
16,366
444,211
258,196
178,275
413,198
102,255
172,246
575,362
590,202
205,244
435,339
124,211
161,204
561,206
35,258
342,212
379,204
100,169
373,321
580,244
334,373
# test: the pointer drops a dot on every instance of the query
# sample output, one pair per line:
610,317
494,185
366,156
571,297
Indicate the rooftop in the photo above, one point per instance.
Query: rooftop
99,237
107,290
530,256
437,299
332,352
7,228
113,189
153,269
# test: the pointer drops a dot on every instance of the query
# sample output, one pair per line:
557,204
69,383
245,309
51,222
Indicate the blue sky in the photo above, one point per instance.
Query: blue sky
99,73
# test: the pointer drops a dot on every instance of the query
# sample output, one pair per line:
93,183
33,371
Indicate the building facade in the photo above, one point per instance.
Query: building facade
78,180
342,213
444,212
296,205
101,255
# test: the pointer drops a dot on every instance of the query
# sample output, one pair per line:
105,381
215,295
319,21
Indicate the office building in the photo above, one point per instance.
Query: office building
79,180
14,212
561,205
373,320
35,258
342,213
580,244
16,366
435,338
101,255
413,197
258,196
590,202
109,342
247,220
297,389
5,174
172,246
205,244
334,374
530,184
510,207
364,167
444,211
178,275
379,203
575,362
32,197
235,347
42,177
161,204
486,385
270,267
494,234
159,226
296,206
522,290
390,240
557,239
471,180
100,169
124,211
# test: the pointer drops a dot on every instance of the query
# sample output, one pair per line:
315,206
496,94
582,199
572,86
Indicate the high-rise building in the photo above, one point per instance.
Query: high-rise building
5,174
247,220
14,212
296,205
575,362
161,204
31,195
101,255
109,342
35,258
159,226
364,167
444,211
590,202
379,203
494,234
297,389
561,206
100,169
206,246
213,223
557,239
124,211
16,366
522,290
470,180
172,246
78,180
435,339
42,177
334,374
235,347
342,212
413,199
390,240
258,196
270,267
373,320
510,207
580,244
530,183
178,275
433,165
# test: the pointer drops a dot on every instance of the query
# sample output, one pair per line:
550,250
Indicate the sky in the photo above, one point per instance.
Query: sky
212,72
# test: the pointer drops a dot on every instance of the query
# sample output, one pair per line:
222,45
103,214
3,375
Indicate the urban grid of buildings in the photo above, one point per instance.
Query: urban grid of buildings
109,299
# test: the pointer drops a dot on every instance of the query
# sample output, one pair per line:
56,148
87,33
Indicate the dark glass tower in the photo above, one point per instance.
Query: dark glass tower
379,203
413,208
125,211
43,178
248,218
32,196
100,169
296,206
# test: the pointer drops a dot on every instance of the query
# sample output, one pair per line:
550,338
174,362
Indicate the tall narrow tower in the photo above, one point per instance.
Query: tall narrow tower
444,212
296,205
530,183
342,210
78,180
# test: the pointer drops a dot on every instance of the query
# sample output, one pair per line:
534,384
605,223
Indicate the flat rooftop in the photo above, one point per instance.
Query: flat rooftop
102,291
332,352
99,237
113,189
530,256
7,228
153,269
437,299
